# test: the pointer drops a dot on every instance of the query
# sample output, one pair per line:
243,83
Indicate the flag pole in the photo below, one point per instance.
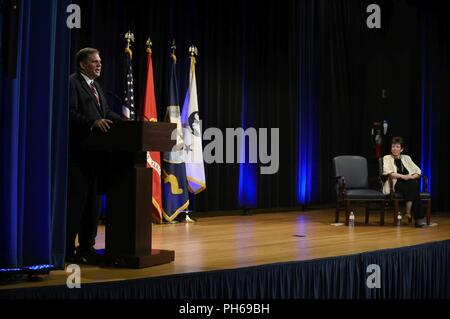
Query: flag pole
175,185
128,110
149,45
129,37
173,48
193,54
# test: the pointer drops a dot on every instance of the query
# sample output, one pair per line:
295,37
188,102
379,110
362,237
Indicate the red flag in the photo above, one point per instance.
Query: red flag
153,158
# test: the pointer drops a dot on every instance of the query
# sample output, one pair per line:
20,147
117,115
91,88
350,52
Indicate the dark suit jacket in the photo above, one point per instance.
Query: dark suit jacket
84,111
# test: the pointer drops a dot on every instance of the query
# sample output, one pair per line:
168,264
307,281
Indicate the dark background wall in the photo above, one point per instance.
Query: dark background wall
311,68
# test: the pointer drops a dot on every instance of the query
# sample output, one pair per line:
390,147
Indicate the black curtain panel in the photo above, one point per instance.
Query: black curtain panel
313,69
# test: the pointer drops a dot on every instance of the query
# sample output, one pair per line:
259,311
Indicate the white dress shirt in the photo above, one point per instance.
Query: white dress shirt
88,80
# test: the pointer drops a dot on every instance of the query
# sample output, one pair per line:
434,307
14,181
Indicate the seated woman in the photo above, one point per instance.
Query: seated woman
405,175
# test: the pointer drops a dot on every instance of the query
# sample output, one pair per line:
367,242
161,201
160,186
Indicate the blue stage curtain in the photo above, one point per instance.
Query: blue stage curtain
415,272
33,148
434,94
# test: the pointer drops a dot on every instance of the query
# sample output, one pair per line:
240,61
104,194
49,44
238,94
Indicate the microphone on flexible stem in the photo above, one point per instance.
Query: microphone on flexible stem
142,118
118,99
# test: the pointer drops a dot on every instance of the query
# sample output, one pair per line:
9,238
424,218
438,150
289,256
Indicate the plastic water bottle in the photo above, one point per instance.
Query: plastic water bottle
351,221
399,219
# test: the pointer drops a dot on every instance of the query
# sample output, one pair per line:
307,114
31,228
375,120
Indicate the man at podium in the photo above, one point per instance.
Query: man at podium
89,111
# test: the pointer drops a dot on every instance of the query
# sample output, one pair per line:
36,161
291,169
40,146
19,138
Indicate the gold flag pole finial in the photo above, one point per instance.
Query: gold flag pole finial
149,45
172,49
193,52
129,37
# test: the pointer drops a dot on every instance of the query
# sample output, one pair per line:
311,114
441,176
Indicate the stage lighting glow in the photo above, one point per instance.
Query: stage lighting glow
247,185
247,196
307,174
10,270
307,147
40,267
27,269
427,106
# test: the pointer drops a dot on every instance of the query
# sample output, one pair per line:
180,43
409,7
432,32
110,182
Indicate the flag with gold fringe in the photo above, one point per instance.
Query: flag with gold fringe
192,132
174,186
149,113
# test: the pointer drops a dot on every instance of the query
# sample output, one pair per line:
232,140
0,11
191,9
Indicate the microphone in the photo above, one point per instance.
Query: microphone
142,118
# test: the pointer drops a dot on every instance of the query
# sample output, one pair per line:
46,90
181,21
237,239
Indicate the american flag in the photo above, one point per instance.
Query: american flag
128,109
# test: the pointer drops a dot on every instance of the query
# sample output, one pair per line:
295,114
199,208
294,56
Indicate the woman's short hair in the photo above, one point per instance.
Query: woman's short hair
398,140
83,55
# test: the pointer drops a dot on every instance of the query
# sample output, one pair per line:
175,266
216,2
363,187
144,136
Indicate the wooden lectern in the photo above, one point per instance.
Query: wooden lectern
129,191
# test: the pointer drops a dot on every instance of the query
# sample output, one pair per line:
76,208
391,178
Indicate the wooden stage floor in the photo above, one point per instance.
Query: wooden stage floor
229,242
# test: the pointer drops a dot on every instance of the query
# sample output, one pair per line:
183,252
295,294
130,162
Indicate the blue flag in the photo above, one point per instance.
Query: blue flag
174,186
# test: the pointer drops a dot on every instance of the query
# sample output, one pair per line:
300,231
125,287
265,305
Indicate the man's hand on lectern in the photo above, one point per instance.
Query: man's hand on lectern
103,125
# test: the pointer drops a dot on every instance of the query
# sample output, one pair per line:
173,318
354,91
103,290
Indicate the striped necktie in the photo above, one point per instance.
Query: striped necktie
94,91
